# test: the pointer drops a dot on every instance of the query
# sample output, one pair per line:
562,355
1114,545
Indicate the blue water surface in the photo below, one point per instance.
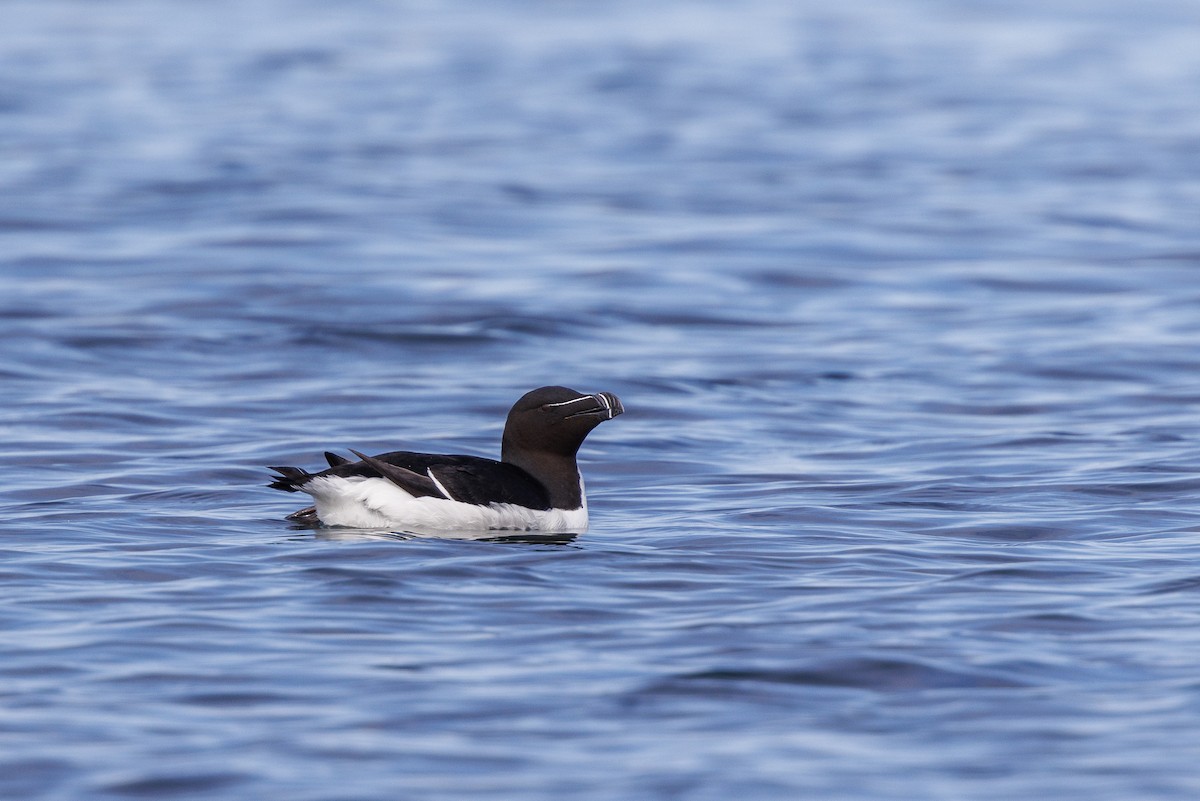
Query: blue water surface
902,297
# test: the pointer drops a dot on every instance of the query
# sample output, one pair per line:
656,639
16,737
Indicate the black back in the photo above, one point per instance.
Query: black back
470,479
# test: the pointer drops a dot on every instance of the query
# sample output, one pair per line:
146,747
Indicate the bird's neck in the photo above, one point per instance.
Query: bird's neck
557,473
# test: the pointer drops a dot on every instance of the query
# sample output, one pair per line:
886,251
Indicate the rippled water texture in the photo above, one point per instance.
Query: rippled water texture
903,300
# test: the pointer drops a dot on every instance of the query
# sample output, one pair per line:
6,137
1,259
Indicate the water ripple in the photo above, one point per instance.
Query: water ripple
901,300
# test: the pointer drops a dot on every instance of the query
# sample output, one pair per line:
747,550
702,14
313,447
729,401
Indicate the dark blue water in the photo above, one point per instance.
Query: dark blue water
903,300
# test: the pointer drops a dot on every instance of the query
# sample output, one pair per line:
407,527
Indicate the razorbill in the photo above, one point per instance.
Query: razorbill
536,485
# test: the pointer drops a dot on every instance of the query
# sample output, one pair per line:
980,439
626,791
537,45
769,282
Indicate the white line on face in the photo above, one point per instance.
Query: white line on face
572,400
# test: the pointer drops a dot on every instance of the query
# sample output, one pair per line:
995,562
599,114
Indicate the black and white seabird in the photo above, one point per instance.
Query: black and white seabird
536,485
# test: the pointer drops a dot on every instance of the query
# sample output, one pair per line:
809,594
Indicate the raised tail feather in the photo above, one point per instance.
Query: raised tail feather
335,460
290,478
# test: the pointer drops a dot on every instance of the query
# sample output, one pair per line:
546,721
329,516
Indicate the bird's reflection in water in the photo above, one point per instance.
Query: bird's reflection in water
330,534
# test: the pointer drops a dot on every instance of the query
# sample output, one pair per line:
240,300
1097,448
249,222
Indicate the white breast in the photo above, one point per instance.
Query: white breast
358,502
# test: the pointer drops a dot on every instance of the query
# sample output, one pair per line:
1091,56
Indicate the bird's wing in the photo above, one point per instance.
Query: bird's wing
468,479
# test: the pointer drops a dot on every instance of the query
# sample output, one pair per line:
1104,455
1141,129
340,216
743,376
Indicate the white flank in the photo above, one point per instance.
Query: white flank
357,502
